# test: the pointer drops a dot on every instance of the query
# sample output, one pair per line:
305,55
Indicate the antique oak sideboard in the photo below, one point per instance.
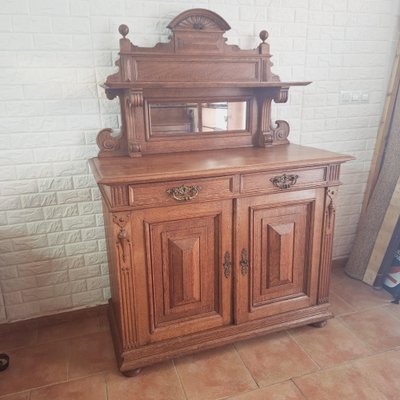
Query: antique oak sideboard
218,229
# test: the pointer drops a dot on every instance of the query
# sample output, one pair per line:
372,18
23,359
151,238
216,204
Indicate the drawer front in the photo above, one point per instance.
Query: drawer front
181,192
282,180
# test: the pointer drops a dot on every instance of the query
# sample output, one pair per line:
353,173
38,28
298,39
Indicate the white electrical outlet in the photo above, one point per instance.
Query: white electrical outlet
354,97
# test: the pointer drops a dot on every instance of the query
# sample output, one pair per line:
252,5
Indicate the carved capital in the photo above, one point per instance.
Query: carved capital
282,96
135,98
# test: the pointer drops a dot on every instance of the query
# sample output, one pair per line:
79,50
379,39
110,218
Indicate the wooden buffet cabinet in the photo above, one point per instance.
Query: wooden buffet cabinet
217,228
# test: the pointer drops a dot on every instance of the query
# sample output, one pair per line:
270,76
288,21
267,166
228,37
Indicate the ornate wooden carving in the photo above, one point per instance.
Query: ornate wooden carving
196,62
123,248
110,144
327,244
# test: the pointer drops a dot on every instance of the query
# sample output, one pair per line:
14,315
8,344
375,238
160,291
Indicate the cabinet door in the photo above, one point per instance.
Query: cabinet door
182,269
278,253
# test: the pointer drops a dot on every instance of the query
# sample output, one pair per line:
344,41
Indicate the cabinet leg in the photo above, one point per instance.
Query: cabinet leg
132,373
319,324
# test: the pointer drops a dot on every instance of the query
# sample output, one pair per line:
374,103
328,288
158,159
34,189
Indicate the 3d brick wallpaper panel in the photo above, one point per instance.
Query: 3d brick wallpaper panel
55,53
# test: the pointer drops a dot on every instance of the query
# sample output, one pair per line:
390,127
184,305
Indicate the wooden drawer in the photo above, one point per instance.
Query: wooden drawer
284,180
181,192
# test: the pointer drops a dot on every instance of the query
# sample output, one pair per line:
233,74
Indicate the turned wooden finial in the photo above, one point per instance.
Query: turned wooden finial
123,30
263,35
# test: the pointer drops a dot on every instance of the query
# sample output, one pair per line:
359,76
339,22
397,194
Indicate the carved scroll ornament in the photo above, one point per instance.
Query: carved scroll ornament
107,142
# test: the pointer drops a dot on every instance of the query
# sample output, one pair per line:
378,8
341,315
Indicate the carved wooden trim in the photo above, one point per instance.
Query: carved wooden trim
123,247
282,95
327,244
333,174
268,135
119,195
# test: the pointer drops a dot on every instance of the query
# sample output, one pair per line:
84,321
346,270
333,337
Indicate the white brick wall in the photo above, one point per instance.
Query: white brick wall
53,55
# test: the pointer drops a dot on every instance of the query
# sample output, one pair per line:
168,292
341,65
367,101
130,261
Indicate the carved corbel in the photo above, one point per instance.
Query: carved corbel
132,102
269,135
282,95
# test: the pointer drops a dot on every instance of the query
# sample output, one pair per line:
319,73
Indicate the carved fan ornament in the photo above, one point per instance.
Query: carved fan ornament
197,22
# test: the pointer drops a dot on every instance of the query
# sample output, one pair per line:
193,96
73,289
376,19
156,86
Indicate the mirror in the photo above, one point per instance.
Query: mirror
196,118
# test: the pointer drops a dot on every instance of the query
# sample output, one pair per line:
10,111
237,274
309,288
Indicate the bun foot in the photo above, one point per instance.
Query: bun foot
132,372
320,324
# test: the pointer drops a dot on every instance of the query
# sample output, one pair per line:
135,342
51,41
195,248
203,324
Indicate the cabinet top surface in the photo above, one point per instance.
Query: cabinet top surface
209,163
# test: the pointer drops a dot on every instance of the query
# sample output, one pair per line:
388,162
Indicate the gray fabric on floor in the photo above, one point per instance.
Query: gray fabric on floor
369,227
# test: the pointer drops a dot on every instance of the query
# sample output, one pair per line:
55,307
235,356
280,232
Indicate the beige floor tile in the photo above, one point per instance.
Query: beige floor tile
330,345
90,388
274,358
36,366
69,329
383,371
394,309
358,294
18,338
214,374
153,383
338,305
91,354
376,327
340,383
280,391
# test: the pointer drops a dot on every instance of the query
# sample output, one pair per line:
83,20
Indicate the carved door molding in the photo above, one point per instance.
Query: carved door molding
281,234
181,276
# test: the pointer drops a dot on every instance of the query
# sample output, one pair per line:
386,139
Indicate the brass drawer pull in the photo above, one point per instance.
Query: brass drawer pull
244,262
184,193
227,264
284,181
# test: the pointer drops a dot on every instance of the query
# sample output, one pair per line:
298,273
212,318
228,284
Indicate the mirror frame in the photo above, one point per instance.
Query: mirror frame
198,135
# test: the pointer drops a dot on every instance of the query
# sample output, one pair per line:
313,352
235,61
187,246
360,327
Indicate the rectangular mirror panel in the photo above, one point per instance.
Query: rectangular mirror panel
194,118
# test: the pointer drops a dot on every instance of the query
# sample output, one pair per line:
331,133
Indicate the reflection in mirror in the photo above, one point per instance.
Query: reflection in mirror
193,118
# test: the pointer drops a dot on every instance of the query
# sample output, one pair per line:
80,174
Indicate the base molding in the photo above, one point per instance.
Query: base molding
52,319
157,352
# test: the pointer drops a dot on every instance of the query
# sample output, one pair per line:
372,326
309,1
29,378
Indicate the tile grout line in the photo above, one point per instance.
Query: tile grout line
301,392
180,380
244,364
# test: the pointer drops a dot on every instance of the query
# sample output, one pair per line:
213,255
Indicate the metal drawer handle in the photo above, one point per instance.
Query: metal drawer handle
284,181
184,193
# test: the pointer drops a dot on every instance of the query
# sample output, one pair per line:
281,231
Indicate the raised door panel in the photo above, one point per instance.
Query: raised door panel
283,246
179,269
